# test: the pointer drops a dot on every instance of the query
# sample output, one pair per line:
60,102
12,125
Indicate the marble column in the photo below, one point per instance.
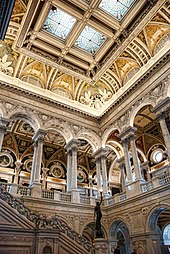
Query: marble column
72,148
101,156
162,111
165,131
3,125
69,171
98,176
44,177
121,163
18,165
127,160
135,158
104,175
37,160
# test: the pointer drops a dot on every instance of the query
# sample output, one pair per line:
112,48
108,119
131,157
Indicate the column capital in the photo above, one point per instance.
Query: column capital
121,161
72,145
128,134
3,123
39,135
101,152
162,108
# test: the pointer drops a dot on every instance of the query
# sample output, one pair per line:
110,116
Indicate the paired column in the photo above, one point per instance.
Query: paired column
72,148
162,111
3,125
100,156
37,157
128,137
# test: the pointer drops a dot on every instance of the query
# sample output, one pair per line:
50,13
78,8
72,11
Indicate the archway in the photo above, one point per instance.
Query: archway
159,226
119,236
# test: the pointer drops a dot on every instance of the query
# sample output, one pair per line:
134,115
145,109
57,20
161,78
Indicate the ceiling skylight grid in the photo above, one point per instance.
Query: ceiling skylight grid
117,8
59,23
90,40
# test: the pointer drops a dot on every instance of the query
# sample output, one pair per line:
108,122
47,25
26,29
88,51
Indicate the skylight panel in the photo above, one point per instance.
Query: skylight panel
117,8
59,23
90,40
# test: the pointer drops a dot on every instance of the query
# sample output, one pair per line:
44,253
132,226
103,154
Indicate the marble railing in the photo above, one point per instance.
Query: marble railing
164,179
49,194
41,221
24,191
84,199
147,186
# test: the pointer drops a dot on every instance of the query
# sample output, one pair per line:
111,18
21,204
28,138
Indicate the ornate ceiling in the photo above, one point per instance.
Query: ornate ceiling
84,53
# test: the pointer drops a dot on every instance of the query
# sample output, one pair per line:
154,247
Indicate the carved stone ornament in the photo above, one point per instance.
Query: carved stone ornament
122,122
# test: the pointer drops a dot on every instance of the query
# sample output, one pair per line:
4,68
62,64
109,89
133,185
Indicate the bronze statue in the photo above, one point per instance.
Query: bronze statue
98,216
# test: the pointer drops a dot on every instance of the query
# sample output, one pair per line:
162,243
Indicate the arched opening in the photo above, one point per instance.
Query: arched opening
159,225
119,236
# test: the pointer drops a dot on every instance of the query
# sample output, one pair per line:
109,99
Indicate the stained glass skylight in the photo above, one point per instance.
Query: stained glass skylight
59,22
117,8
90,39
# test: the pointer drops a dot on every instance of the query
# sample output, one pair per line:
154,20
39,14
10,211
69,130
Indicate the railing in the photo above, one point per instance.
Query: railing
164,179
49,194
6,186
122,196
147,186
111,201
24,191
66,197
84,199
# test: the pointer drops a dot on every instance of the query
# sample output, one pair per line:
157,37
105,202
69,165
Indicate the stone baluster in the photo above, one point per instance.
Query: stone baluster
36,165
3,126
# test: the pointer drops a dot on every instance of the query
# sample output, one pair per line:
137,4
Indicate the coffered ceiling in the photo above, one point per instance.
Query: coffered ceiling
82,53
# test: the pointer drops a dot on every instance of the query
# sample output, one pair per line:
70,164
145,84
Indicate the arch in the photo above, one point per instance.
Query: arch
153,216
135,111
114,149
91,138
106,134
60,127
89,222
47,250
28,117
119,226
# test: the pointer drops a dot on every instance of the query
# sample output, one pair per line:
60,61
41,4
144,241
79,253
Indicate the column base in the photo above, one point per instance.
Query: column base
100,245
134,188
75,196
36,190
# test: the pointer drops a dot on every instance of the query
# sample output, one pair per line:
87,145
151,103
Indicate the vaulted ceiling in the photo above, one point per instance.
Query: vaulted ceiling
84,53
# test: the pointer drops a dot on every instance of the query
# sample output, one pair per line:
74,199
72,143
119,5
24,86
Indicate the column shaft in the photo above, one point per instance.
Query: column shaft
74,169
98,175
127,161
135,159
69,170
104,175
166,134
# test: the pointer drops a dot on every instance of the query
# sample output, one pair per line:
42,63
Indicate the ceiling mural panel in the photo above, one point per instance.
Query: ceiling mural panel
65,47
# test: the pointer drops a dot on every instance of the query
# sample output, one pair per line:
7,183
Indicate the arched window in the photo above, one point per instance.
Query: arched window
166,235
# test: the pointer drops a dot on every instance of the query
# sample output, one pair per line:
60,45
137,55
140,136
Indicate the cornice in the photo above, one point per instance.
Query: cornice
80,113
